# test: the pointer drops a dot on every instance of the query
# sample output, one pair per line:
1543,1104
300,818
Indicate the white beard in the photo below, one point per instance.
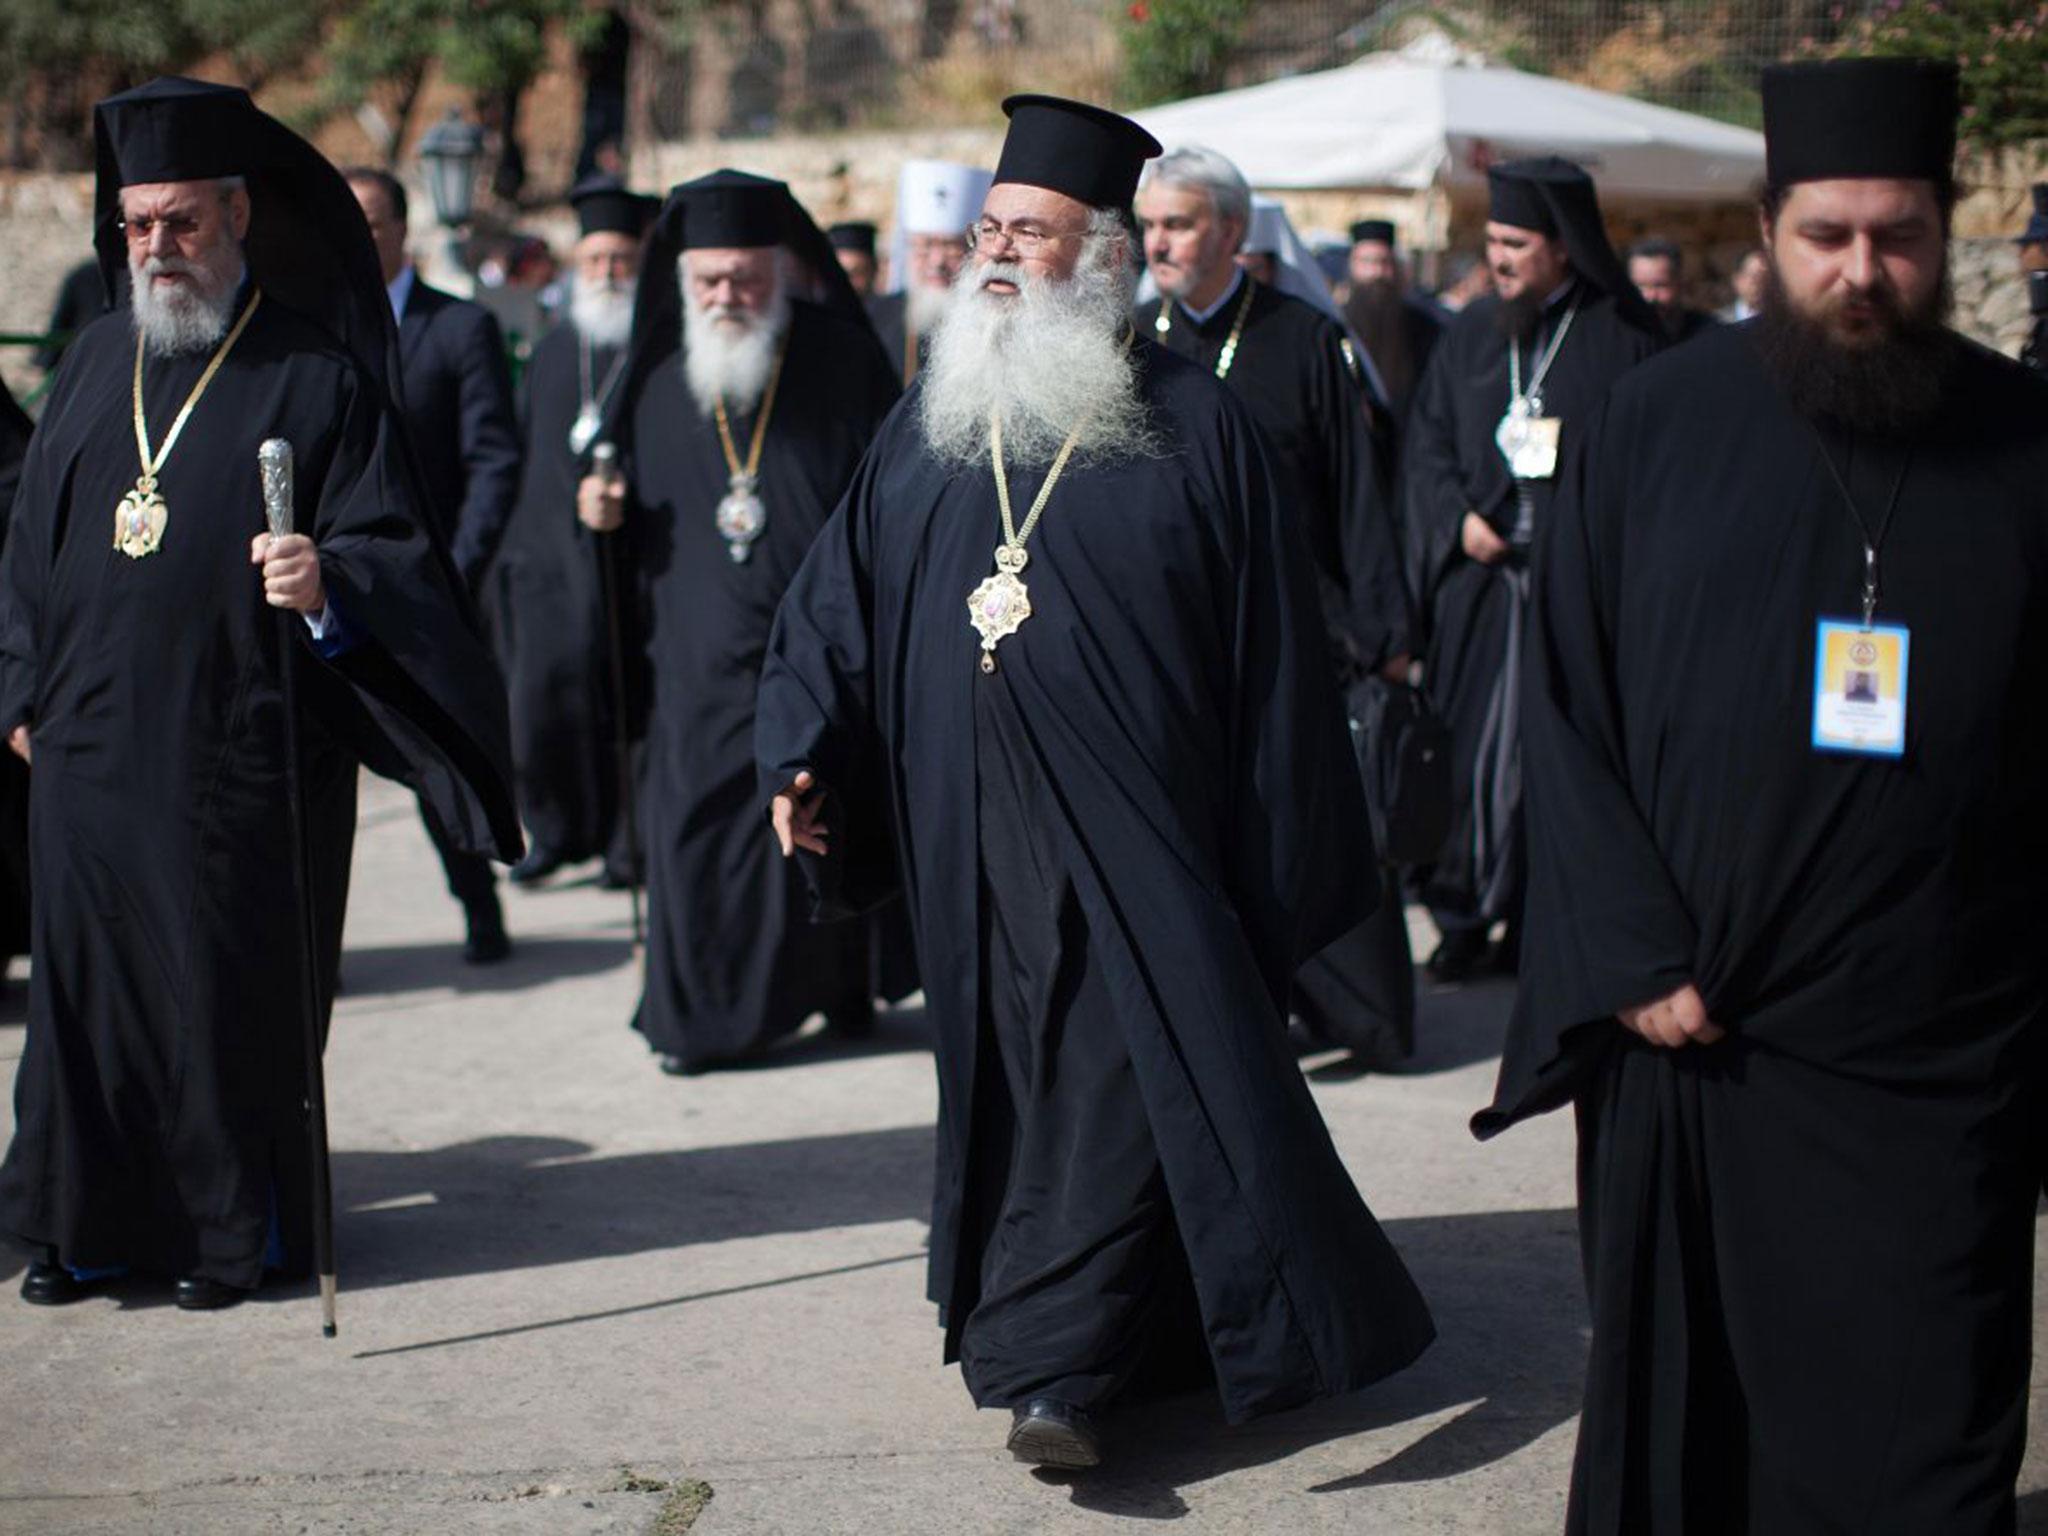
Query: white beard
926,307
731,361
186,317
601,313
1050,360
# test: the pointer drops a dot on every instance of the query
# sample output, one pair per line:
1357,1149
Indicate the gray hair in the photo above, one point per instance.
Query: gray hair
1204,170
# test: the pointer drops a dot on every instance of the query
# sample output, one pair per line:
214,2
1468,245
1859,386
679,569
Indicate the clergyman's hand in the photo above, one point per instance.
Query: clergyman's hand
796,814
1680,1019
291,572
601,503
17,742
1481,542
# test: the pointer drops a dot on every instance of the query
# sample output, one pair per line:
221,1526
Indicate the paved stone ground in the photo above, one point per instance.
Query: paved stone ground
569,1281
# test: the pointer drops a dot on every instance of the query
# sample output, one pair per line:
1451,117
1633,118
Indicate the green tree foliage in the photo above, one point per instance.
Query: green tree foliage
2001,46
57,55
382,49
1176,48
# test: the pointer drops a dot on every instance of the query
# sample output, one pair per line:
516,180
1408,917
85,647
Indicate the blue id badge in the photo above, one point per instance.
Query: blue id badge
1859,688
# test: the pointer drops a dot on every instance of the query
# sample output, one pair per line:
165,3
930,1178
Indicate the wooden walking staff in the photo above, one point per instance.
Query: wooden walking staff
604,463
274,463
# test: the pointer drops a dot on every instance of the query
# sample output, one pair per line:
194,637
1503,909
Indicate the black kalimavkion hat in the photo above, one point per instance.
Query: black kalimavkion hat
606,206
854,235
1090,154
1835,119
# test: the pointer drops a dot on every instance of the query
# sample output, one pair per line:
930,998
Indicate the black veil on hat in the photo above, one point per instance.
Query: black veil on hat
606,206
1837,119
1088,153
727,210
308,246
1554,197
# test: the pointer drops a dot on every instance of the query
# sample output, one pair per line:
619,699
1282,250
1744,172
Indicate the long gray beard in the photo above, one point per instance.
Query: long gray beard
185,319
1049,360
602,314
733,365
926,307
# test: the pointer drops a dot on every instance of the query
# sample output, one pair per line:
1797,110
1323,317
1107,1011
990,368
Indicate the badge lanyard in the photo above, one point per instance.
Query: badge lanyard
1872,547
1531,404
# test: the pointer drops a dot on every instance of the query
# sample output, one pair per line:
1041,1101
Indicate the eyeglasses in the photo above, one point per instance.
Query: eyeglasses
1027,239
179,227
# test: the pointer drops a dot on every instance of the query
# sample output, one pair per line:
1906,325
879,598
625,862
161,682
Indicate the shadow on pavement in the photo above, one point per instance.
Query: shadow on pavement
2034,1513
1454,1027
519,1202
377,971
896,1030
1507,1364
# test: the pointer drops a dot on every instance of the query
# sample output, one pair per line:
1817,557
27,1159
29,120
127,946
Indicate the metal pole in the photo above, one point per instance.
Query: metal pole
274,462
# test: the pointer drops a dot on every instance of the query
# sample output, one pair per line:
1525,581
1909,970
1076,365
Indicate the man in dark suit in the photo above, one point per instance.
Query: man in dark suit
1657,267
458,411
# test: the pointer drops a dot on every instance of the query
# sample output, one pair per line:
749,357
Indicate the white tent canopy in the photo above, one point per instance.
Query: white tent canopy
1431,116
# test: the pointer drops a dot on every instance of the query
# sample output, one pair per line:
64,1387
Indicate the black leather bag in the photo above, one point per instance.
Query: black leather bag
1404,759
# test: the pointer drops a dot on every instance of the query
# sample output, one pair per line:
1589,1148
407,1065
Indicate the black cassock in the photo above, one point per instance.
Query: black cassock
1810,1246
159,1102
1472,613
1117,848
1290,371
889,313
732,961
15,431
552,628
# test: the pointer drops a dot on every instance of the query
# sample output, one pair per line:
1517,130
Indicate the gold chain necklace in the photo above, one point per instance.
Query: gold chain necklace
741,516
139,520
1163,324
1001,603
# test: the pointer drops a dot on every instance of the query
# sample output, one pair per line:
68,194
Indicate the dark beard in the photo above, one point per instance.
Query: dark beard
1890,386
1520,316
1378,313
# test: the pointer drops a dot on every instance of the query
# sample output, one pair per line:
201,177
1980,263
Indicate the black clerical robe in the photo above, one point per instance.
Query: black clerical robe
159,1100
552,628
732,960
889,313
1161,740
1473,613
15,431
1809,1246
1290,370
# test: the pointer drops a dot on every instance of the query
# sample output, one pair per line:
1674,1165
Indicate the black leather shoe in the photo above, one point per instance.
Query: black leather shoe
51,1285
538,864
1505,958
196,1293
616,877
852,1020
487,943
1049,1433
1459,957
677,1066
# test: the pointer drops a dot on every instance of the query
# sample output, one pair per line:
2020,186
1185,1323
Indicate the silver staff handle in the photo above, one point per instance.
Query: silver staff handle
274,465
